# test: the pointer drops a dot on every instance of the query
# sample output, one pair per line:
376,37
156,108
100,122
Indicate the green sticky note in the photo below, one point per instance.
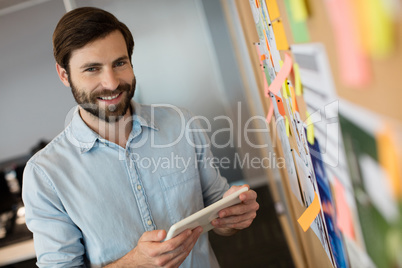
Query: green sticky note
299,28
267,74
260,29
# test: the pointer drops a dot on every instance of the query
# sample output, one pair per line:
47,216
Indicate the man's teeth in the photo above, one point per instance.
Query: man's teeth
110,97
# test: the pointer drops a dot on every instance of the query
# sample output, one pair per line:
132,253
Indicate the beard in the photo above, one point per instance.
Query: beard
111,113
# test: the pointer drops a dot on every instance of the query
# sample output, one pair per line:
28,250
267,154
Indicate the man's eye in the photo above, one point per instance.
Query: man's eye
120,63
92,69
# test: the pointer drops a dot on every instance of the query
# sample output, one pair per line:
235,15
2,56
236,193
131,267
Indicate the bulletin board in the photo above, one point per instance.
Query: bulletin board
382,92
371,81
305,247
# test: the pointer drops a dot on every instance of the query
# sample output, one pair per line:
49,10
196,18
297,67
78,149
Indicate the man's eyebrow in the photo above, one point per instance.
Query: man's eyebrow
121,58
98,64
90,65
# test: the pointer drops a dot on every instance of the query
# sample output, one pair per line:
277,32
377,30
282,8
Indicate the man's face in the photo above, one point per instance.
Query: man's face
101,77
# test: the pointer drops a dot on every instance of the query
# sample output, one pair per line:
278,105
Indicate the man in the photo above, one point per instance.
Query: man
93,196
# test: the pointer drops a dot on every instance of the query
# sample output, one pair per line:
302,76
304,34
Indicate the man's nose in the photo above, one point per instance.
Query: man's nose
110,79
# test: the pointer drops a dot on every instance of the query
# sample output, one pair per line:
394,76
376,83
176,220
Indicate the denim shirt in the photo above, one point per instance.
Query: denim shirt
88,200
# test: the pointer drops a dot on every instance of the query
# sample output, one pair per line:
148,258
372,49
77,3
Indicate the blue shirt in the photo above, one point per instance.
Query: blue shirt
88,200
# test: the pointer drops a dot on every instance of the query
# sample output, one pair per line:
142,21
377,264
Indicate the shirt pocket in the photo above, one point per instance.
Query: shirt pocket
182,194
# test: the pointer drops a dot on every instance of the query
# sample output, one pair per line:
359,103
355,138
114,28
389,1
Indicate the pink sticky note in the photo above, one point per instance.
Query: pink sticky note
354,66
280,78
270,111
343,213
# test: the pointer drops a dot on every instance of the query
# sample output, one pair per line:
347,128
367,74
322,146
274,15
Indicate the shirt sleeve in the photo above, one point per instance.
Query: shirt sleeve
213,184
57,240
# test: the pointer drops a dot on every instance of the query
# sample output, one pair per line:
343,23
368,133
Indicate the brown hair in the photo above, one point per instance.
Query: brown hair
82,26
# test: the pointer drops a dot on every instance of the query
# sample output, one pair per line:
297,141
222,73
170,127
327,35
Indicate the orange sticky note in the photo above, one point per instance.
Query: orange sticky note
281,108
281,75
280,36
261,58
389,159
294,102
309,215
343,214
273,9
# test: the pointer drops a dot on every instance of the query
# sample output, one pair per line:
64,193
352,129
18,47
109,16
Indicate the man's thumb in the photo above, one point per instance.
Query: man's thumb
153,236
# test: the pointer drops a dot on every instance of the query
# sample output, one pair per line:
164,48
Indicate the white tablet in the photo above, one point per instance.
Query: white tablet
204,217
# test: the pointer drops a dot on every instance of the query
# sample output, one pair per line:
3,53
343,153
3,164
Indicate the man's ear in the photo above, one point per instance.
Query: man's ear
63,75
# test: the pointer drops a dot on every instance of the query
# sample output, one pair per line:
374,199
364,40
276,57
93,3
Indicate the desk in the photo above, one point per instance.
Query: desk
17,252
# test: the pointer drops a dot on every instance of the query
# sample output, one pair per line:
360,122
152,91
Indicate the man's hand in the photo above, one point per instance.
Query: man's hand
151,252
238,216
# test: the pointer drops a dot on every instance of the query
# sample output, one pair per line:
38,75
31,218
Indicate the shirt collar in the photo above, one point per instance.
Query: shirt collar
86,138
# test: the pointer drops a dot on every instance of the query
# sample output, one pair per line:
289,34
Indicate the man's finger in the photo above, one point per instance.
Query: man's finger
185,249
153,236
219,223
248,196
239,209
235,188
176,241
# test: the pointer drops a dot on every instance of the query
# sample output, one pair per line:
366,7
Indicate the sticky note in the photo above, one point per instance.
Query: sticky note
299,10
376,27
295,107
267,75
280,35
281,75
343,213
388,158
298,85
310,129
285,89
265,82
287,126
353,64
309,215
273,9
281,108
270,111
299,28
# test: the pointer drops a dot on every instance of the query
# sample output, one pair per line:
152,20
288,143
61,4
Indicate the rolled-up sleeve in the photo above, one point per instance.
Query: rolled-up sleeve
58,241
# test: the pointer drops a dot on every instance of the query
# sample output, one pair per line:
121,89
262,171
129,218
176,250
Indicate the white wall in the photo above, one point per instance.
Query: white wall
33,103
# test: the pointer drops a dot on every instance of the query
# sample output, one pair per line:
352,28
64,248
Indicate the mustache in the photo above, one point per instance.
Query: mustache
107,93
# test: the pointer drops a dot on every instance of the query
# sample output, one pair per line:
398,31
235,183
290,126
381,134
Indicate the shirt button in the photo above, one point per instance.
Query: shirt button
149,222
139,187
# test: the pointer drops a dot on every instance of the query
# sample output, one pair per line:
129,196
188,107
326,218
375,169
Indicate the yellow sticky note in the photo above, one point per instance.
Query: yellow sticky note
280,36
273,9
299,10
287,126
295,107
309,215
298,85
285,89
382,38
310,129
376,27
